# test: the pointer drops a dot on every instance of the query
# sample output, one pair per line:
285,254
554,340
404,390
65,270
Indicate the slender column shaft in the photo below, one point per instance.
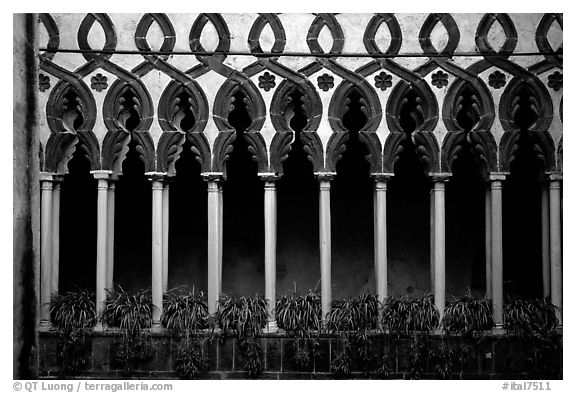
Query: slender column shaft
270,248
55,269
556,246
325,246
439,250
157,250
101,240
432,241
545,241
488,241
220,211
497,275
165,226
213,245
45,250
110,237
380,240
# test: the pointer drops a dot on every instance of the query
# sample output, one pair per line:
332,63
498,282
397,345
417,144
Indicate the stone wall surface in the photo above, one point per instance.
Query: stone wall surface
486,357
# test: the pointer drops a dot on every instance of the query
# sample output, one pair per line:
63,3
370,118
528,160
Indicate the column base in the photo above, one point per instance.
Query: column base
498,330
156,327
99,327
271,327
45,326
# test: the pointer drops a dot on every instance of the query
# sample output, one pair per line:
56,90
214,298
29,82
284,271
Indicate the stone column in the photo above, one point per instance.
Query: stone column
325,241
432,241
165,228
101,240
214,239
110,237
488,240
556,243
380,235
46,186
157,180
55,265
220,248
496,180
545,199
270,246
439,242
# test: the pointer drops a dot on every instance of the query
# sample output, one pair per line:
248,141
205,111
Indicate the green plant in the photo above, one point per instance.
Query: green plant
341,364
354,314
529,316
299,313
447,357
468,314
417,356
184,311
72,313
132,314
406,315
246,317
190,361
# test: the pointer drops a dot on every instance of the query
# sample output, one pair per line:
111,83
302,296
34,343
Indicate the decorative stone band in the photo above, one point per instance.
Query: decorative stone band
213,176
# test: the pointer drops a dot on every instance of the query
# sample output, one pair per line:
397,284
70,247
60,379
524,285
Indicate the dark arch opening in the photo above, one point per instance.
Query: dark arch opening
298,254
183,115
352,210
78,210
522,207
188,240
408,207
243,232
465,208
133,225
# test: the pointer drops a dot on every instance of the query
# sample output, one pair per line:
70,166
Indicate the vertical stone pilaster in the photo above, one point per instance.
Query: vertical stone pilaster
214,239
110,234
55,264
439,241
101,240
325,241
496,180
157,180
165,232
270,245
545,211
488,240
380,235
556,243
46,204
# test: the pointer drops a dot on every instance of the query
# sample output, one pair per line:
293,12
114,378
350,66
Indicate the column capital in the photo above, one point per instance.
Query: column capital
212,176
269,177
325,176
554,176
440,177
51,177
103,175
497,176
156,176
381,177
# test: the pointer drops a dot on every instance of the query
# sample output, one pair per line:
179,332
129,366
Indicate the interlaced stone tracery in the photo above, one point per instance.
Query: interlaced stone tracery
128,89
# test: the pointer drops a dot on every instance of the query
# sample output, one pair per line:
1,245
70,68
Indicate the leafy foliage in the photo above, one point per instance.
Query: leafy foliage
299,313
72,311
185,311
131,313
246,317
354,314
529,316
405,315
342,362
190,361
468,314
447,358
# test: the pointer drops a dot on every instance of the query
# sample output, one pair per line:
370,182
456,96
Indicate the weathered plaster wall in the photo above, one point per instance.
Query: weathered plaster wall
25,193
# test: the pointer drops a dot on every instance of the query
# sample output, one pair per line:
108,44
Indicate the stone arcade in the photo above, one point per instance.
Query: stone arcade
249,153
